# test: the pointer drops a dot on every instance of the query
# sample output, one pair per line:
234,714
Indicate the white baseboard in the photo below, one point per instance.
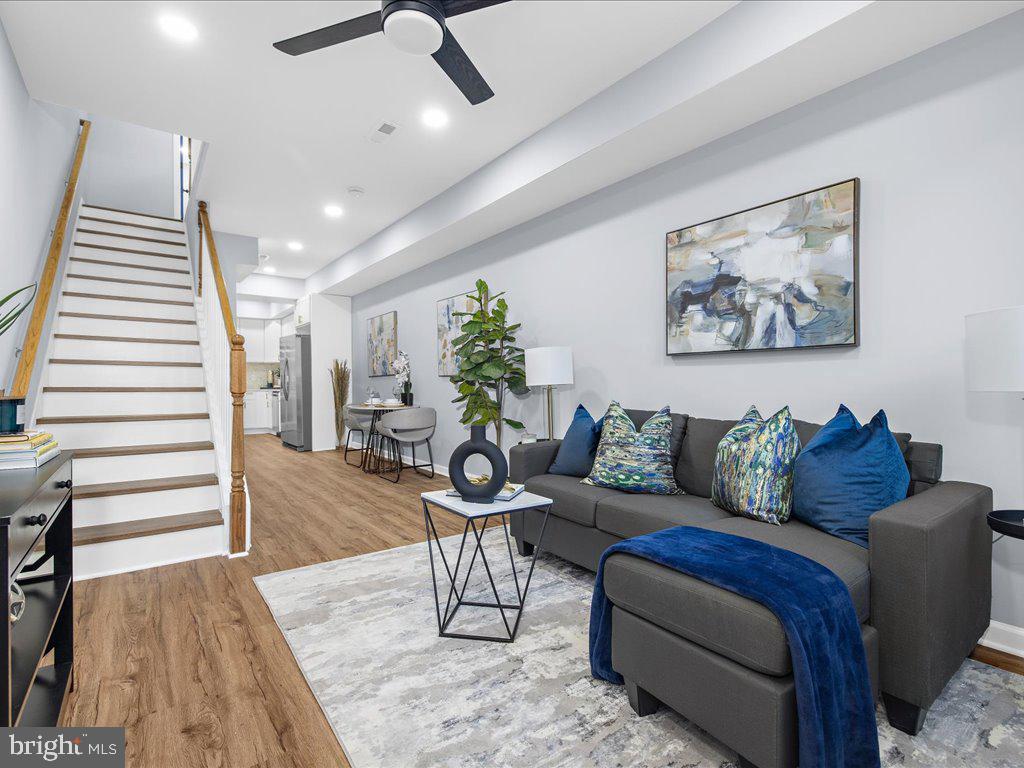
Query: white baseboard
1004,637
146,567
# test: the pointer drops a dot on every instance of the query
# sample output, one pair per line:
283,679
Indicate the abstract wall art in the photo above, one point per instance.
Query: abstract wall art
382,343
449,328
778,276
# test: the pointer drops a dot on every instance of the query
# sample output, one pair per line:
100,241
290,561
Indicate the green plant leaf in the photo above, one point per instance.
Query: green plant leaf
514,424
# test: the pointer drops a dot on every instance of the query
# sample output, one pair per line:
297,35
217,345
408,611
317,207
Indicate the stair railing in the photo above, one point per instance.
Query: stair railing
37,320
238,535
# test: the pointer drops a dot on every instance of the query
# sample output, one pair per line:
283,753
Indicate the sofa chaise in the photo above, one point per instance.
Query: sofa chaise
922,590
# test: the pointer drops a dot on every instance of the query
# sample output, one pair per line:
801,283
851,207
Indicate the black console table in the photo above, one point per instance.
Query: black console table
37,651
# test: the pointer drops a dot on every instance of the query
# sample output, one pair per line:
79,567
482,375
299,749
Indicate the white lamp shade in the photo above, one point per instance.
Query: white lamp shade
548,366
995,350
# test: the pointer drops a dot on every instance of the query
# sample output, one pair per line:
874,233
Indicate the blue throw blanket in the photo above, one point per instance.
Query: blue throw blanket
833,690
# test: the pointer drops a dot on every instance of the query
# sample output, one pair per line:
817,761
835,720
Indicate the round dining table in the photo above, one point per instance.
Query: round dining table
372,450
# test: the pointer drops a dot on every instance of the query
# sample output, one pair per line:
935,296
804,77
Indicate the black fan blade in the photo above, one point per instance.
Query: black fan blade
455,7
361,26
456,64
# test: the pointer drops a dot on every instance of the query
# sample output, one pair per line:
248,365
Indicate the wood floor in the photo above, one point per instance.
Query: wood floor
188,658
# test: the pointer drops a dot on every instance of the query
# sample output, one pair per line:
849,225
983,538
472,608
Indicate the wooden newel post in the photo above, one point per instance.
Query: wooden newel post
237,444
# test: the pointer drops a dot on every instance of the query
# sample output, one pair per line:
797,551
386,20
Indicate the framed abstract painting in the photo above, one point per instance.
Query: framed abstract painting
449,328
779,276
382,343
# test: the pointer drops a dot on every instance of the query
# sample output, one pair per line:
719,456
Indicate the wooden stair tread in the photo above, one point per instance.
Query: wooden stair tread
129,281
108,297
154,526
126,265
131,213
129,237
140,450
83,217
143,486
131,339
145,363
129,250
123,389
104,418
128,318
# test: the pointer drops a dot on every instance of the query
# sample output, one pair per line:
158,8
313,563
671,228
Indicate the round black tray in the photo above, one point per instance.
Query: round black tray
1007,521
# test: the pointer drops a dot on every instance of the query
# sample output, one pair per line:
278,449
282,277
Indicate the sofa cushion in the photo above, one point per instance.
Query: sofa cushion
638,461
630,515
572,499
575,456
679,421
721,621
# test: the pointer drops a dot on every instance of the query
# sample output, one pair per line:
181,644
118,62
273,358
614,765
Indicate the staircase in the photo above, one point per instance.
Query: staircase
124,388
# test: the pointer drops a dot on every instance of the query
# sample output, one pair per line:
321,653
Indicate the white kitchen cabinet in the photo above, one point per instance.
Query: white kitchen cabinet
252,331
260,410
302,311
288,325
272,341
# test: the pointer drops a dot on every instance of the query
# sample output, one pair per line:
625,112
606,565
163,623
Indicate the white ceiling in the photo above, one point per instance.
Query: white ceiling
289,135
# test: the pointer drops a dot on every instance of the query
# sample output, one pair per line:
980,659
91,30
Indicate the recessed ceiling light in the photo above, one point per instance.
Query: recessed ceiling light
294,245
269,270
434,118
334,211
177,28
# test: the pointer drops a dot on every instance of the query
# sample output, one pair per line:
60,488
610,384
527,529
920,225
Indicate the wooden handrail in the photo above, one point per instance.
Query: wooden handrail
237,386
34,331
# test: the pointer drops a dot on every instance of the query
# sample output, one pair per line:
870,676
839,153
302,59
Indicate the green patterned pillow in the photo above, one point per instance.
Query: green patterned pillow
639,462
754,467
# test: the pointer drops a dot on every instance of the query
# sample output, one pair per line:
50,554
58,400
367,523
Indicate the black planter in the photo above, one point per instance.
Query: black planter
406,398
12,415
478,444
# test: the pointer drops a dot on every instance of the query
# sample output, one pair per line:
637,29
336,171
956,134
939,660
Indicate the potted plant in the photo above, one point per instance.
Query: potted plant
12,419
403,377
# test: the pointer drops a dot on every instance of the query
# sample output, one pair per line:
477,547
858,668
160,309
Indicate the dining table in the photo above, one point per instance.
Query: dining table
371,460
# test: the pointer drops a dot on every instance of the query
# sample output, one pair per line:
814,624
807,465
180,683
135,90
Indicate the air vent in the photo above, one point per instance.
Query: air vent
383,132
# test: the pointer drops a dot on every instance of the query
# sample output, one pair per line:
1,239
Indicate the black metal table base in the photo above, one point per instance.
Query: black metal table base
445,617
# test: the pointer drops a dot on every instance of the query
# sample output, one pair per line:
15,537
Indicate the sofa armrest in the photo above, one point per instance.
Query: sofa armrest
529,459
931,586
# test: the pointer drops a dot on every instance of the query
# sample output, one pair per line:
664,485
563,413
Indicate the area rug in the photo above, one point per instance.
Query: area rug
364,633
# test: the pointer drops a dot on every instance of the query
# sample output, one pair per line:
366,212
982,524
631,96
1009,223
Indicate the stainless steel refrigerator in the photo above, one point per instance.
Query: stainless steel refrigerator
296,393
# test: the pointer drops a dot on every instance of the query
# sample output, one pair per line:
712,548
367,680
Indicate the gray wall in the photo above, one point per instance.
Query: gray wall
37,142
234,251
936,142
130,167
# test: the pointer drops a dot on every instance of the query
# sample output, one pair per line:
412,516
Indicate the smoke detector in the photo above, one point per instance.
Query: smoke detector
356,191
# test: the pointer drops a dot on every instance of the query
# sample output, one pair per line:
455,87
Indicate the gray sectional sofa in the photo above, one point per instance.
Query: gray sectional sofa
922,591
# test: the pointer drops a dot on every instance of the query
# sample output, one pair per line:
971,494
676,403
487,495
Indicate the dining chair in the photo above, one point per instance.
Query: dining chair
356,422
408,427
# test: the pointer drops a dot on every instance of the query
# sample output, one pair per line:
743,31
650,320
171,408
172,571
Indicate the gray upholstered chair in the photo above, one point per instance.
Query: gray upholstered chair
357,422
408,427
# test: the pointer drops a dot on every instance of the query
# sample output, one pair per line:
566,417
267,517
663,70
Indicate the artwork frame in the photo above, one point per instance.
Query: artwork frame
381,343
852,328
444,310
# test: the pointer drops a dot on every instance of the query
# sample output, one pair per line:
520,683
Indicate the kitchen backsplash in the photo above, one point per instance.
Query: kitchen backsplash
256,374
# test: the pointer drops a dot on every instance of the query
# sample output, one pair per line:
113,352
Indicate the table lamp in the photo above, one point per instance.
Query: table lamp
995,350
549,367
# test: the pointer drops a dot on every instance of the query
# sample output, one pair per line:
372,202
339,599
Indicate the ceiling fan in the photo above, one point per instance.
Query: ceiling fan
413,26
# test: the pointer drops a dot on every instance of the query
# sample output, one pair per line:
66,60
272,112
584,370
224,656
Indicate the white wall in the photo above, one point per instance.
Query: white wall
37,142
936,142
130,167
330,339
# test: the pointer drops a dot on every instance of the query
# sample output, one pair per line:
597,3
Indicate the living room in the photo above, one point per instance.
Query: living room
757,287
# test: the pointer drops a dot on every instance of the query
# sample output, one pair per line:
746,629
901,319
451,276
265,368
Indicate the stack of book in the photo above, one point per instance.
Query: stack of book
27,450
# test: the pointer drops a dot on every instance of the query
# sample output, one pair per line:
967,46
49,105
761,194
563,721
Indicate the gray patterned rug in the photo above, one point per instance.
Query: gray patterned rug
364,633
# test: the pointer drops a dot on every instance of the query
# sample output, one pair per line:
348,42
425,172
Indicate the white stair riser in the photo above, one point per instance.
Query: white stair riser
142,506
91,327
125,229
148,551
114,433
113,469
132,242
76,267
132,218
96,403
130,258
91,349
130,308
74,375
84,285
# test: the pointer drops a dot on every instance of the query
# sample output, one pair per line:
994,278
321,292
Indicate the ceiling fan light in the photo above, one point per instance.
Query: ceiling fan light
413,32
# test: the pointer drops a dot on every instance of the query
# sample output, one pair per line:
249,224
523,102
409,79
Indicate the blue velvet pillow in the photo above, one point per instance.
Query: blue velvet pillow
846,473
576,453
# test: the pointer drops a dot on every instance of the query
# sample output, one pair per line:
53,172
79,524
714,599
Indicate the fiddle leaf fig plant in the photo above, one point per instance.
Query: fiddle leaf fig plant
491,365
9,317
